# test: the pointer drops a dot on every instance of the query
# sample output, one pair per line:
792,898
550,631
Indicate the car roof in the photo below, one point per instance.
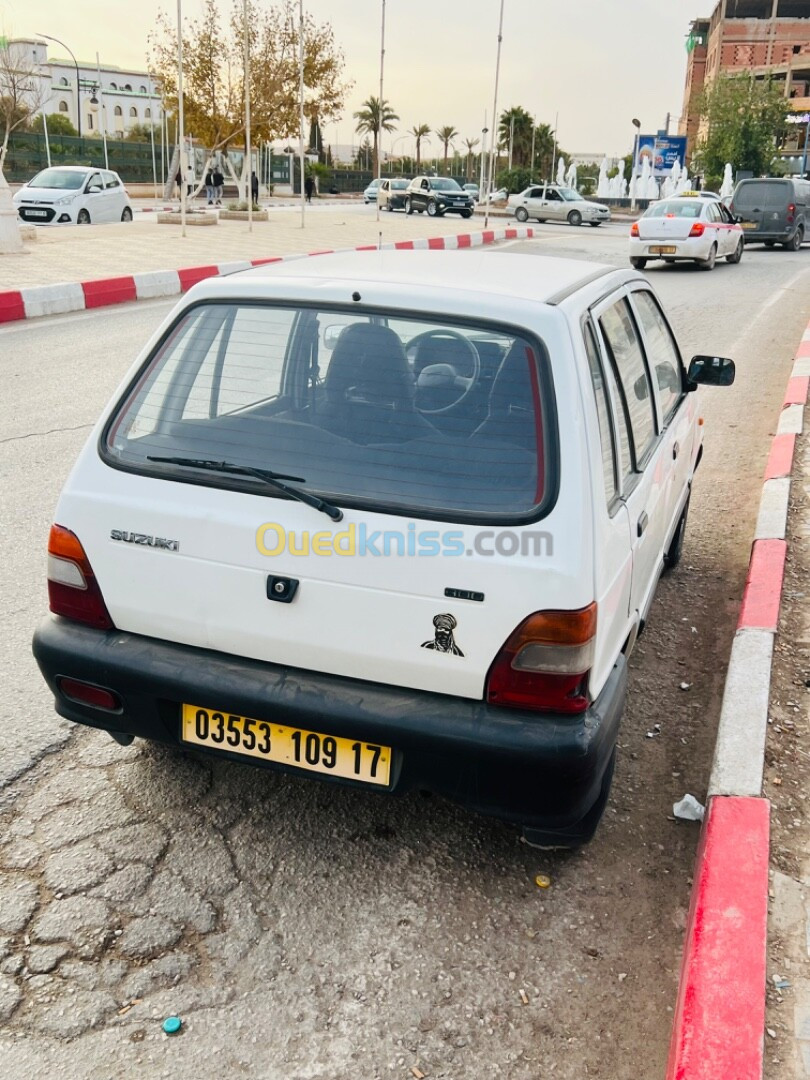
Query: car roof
538,278
76,168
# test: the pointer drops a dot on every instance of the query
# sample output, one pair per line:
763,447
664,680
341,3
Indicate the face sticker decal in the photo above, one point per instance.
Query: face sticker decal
443,640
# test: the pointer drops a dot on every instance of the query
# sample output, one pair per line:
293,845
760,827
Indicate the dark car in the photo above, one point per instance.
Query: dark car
391,195
773,211
438,195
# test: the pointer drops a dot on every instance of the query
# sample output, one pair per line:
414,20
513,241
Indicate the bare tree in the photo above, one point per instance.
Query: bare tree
22,92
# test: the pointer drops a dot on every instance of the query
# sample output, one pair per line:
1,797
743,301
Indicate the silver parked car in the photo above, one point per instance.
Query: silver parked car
550,202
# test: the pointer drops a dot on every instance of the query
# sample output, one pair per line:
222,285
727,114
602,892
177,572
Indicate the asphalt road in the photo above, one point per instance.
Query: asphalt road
303,931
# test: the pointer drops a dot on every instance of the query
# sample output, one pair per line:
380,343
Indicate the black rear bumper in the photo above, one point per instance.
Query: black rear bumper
540,770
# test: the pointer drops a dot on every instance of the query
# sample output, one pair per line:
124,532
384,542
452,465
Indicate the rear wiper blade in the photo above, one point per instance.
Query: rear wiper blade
274,479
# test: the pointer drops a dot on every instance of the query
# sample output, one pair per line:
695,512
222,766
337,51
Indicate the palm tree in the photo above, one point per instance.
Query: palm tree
372,119
544,151
445,136
419,131
515,130
471,145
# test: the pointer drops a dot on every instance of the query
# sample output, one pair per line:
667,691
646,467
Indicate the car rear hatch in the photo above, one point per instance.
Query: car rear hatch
665,228
449,507
761,206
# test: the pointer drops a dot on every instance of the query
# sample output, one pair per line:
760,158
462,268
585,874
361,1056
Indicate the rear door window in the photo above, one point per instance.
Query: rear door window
603,414
662,353
763,195
380,410
621,337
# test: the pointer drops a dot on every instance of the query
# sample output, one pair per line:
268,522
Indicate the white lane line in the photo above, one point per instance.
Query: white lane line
776,298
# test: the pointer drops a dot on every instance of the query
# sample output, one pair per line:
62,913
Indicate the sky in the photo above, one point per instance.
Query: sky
594,63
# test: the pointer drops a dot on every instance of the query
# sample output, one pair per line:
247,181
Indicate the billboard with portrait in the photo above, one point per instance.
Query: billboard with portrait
661,151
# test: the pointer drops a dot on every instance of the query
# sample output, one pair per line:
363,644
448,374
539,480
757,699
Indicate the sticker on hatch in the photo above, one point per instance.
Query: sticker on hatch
443,640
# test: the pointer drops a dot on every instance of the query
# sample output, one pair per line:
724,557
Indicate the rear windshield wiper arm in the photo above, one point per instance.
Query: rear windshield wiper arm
274,479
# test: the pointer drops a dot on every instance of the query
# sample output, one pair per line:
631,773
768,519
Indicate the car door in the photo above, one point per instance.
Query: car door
554,207
113,197
94,197
712,221
643,489
382,195
534,202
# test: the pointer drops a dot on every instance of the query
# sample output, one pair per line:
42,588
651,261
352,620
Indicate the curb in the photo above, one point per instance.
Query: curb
59,299
719,1024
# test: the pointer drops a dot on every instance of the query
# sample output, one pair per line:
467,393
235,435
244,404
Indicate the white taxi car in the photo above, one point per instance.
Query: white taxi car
73,195
694,229
387,519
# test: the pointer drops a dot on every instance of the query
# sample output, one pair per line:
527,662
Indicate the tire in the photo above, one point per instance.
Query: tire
466,213
389,207
582,831
126,214
672,556
432,209
709,263
408,206
795,242
83,218
638,264
770,243
575,218
738,253
522,214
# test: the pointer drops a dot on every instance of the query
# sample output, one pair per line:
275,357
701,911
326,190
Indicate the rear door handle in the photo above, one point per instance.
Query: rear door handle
642,524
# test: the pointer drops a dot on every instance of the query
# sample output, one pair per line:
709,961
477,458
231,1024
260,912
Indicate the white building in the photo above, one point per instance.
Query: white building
123,98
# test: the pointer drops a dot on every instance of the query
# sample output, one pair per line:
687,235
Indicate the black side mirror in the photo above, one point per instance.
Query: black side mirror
710,371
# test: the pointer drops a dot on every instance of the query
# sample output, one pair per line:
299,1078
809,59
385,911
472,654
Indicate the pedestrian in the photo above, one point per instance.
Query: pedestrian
309,187
254,187
219,184
179,181
209,187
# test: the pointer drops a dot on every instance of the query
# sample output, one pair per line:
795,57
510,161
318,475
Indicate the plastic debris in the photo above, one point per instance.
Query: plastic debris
524,997
780,982
686,686
771,1032
417,1072
622,976
172,1024
542,881
689,809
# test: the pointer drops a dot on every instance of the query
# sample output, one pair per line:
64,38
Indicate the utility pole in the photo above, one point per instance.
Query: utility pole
494,116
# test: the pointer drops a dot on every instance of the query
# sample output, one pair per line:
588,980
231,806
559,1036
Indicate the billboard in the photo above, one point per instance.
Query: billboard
662,151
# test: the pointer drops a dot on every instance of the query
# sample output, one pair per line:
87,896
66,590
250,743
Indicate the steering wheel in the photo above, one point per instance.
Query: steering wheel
436,382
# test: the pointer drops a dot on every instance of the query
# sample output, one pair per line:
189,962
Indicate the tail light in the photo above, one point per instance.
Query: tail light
634,229
697,229
545,664
73,591
791,210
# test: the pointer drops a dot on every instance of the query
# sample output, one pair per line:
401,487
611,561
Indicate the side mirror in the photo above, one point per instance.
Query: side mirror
710,371
331,335
93,190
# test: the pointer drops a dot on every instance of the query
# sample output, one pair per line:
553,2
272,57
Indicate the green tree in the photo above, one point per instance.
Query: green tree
445,135
58,124
745,118
544,152
373,118
419,132
514,180
516,126
138,133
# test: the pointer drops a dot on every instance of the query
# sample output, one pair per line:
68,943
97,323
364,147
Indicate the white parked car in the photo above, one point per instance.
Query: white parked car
551,202
73,195
370,194
698,230
392,519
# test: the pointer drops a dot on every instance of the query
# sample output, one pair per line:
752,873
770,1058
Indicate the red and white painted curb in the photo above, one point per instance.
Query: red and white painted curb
59,299
719,1023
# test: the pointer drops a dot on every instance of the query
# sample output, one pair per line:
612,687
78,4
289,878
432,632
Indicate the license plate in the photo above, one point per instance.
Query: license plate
37,213
748,224
667,250
330,754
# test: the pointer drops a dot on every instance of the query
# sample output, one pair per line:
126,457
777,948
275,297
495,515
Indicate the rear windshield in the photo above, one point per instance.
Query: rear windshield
680,208
764,195
404,415
63,179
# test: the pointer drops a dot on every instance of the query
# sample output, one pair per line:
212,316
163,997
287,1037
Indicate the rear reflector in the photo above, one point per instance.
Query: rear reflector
545,663
87,694
73,591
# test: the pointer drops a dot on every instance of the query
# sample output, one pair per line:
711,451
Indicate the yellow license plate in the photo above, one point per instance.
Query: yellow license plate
308,750
748,224
659,250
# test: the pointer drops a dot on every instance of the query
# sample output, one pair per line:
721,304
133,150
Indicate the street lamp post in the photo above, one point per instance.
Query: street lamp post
48,37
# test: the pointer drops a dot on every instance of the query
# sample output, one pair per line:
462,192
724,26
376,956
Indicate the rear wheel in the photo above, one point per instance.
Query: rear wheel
638,264
795,241
595,224
408,206
83,218
738,252
673,553
522,214
575,218
709,263
126,214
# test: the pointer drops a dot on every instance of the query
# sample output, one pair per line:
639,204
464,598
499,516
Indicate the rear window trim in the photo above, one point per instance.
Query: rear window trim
551,450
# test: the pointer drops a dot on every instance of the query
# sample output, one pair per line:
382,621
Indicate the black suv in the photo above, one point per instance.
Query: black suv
438,195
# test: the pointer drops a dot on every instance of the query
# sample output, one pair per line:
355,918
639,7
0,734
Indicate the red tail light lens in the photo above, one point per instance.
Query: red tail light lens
544,665
73,591
634,229
791,210
697,229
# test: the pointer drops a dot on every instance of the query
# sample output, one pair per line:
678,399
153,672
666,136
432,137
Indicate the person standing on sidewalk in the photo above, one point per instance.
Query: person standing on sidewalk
219,184
309,188
209,187
254,187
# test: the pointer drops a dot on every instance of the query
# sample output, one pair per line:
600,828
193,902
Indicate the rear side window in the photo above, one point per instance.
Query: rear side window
662,352
603,414
763,195
621,337
403,415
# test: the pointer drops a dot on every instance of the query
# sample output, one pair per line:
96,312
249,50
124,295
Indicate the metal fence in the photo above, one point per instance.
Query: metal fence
28,153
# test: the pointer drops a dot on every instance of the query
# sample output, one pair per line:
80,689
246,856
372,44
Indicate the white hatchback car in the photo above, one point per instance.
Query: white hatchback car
391,519
73,195
693,229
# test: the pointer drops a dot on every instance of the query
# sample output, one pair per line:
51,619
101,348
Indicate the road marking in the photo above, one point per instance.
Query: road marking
774,299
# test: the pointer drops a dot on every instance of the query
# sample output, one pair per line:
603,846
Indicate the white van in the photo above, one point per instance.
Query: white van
393,519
